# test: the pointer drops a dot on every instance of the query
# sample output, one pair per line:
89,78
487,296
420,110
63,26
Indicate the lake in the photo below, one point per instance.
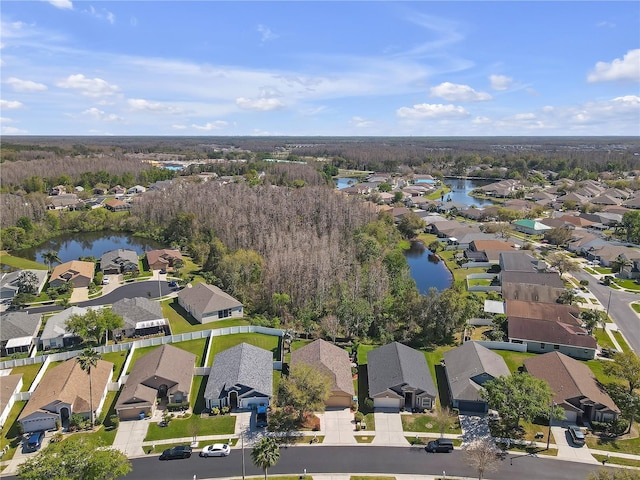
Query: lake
427,269
90,244
461,188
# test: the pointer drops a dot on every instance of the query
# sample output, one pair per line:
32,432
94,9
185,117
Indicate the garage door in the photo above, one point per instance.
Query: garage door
476,407
386,403
39,424
571,416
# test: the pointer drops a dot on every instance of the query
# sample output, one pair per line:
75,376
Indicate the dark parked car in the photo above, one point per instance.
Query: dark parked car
180,451
173,284
440,445
34,441
261,417
576,434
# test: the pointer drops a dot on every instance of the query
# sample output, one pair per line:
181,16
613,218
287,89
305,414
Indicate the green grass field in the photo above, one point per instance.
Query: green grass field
20,263
621,341
603,338
425,423
514,360
10,435
182,322
223,342
613,445
28,372
179,428
194,346
118,359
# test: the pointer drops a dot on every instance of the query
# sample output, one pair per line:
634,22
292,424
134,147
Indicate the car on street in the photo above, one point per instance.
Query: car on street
34,441
441,445
576,434
216,450
179,451
173,284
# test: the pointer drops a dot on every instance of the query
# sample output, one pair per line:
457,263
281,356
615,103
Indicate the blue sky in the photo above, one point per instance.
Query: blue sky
320,68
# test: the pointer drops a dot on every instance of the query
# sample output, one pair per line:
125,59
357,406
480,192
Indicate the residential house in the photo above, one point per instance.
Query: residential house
542,336
119,261
630,269
582,242
335,363
608,254
519,261
9,282
64,391
76,272
543,311
11,384
118,190
605,200
530,227
241,377
468,367
141,316
532,286
164,259
165,373
55,333
136,189
633,202
574,387
399,378
18,332
207,303
490,248
116,205
64,201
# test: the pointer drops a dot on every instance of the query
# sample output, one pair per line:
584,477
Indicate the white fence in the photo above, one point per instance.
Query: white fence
514,347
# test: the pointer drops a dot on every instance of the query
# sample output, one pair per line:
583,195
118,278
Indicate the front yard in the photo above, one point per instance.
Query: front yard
194,425
427,423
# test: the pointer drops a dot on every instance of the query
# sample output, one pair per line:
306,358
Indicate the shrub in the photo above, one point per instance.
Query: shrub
358,417
584,282
224,410
174,407
215,411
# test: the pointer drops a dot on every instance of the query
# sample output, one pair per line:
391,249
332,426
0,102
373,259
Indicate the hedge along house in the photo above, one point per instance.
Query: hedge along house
165,373
207,303
241,377
64,391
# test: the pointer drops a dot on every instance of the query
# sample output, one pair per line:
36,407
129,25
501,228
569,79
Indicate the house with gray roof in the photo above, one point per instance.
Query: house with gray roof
334,362
10,282
141,316
118,261
207,303
55,333
467,368
399,377
532,286
241,376
18,332
517,262
165,373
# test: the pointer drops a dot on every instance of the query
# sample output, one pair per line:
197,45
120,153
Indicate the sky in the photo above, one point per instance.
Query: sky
330,68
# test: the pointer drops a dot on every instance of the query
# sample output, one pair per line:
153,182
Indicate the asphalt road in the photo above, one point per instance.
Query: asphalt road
363,459
619,309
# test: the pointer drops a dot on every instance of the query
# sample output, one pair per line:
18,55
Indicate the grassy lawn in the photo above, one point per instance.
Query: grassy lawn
365,439
514,360
617,461
182,322
28,372
603,338
424,423
267,342
370,421
438,193
483,282
636,307
529,449
381,477
20,263
118,359
10,434
362,353
178,427
613,445
196,398
603,270
621,341
590,270
104,435
628,284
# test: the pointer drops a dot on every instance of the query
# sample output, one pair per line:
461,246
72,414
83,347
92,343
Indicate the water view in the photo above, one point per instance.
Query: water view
91,244
427,269
461,188
344,182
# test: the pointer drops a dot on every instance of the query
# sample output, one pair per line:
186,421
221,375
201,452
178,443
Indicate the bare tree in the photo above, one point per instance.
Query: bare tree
331,325
483,455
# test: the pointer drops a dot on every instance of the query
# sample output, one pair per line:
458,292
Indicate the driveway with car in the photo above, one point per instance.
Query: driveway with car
567,450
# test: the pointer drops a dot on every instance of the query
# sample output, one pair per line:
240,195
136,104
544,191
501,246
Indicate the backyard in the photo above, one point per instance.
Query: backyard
224,342
194,346
182,322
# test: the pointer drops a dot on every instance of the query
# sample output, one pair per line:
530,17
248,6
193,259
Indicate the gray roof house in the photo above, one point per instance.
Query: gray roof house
166,371
241,376
119,261
9,282
517,262
18,332
532,286
141,316
207,303
399,377
467,368
55,333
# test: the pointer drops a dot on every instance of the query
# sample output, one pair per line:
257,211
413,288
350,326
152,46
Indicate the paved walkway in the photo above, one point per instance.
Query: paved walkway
338,427
389,430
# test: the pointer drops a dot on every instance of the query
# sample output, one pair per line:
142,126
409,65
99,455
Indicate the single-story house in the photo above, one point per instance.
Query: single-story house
165,373
542,336
608,254
163,259
136,189
18,332
118,261
530,227
76,272
64,201
532,286
9,282
55,333
10,385
241,377
399,377
630,270
141,316
517,262
116,205
335,362
207,303
64,391
467,368
574,387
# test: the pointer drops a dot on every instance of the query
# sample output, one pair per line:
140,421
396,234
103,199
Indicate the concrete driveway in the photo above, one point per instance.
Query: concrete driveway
389,429
130,436
567,450
338,426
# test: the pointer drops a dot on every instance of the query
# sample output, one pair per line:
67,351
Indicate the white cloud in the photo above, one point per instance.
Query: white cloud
25,85
217,125
140,104
430,110
13,131
500,82
605,23
266,34
101,116
360,122
260,104
6,120
453,92
627,68
481,120
524,116
101,14
10,104
62,4
90,87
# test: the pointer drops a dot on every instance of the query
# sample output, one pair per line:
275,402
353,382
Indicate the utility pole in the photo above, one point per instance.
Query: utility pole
242,437
608,304
553,404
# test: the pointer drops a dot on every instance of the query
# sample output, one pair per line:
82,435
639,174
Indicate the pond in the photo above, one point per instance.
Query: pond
461,188
344,182
90,244
427,269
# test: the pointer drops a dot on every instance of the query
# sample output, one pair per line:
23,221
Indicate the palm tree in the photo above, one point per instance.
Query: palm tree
87,359
265,454
51,257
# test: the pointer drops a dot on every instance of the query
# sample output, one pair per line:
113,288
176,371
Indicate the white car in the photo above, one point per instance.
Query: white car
216,450
105,281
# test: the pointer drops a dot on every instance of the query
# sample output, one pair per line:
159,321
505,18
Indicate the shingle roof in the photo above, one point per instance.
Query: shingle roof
117,258
330,359
74,268
205,298
396,364
7,388
162,256
18,324
68,383
245,365
517,262
533,278
546,331
568,378
467,361
138,309
543,311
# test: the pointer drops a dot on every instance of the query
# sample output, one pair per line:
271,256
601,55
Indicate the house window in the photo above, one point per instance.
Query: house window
542,346
224,313
556,347
426,402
